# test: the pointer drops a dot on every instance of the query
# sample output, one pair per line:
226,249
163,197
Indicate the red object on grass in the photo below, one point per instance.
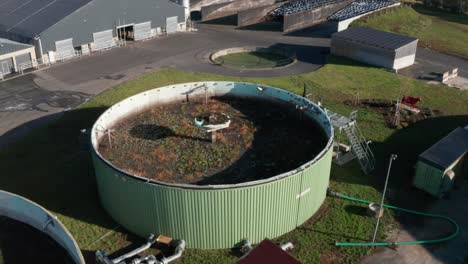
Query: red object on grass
410,101
269,253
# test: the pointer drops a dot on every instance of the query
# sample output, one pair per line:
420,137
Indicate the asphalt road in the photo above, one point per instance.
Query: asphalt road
33,99
65,85
39,95
429,64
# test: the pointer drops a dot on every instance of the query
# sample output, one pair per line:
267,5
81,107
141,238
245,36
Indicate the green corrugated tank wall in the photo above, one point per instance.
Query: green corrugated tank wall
208,217
211,219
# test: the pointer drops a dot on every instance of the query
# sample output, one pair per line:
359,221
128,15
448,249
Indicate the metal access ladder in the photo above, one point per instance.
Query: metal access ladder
359,145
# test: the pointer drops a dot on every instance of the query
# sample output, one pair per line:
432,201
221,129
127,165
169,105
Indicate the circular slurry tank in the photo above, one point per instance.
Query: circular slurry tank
275,180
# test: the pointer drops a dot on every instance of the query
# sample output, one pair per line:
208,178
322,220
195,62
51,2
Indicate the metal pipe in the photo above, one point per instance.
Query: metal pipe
130,254
412,242
287,246
392,158
180,247
247,246
151,259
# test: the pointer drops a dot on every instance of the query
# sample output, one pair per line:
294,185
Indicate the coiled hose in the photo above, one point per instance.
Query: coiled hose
413,242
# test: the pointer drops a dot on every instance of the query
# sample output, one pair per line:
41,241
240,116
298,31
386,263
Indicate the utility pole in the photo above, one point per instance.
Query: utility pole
392,158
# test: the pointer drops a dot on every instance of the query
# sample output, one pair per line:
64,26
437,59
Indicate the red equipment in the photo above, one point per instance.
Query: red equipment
410,101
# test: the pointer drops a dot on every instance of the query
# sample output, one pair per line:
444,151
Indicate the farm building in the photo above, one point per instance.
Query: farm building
438,166
13,54
375,47
60,29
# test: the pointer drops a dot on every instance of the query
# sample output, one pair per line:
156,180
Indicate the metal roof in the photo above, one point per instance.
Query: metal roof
376,38
361,7
267,252
8,46
28,18
448,150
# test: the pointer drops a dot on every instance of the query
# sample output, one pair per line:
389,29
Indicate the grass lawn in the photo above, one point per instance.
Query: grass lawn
252,60
52,166
437,30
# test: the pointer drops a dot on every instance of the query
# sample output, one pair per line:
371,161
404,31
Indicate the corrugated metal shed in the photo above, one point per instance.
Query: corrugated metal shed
8,46
448,150
28,18
376,38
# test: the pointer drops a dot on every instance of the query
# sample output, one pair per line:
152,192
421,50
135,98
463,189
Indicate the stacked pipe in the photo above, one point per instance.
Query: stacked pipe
297,6
360,7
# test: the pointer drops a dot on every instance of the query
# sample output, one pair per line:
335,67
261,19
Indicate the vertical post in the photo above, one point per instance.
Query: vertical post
392,158
109,137
304,92
396,119
213,136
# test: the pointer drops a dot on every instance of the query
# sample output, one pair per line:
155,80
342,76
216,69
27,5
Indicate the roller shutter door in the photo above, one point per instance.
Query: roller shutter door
103,40
142,31
64,49
171,25
24,61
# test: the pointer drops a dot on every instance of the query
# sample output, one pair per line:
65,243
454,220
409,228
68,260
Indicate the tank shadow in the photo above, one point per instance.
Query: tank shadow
51,165
281,142
155,132
408,143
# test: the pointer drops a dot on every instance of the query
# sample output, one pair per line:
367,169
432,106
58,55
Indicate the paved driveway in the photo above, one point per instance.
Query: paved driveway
430,63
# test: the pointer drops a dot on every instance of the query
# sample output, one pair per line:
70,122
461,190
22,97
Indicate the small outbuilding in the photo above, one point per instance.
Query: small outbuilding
438,166
15,56
375,47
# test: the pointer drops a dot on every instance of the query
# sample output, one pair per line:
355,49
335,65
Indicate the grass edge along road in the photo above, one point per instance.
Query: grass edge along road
52,166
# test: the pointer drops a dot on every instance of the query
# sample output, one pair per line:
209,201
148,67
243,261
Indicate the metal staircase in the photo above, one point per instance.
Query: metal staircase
359,145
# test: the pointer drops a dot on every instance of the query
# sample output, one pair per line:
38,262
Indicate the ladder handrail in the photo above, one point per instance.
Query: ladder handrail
366,146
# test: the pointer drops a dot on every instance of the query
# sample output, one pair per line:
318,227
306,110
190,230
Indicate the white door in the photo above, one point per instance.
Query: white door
64,49
171,25
4,68
142,31
103,40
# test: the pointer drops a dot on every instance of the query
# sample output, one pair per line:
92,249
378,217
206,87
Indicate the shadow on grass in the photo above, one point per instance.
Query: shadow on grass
440,14
356,210
337,60
52,166
408,144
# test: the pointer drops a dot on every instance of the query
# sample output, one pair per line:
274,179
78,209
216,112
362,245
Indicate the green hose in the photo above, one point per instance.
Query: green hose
432,241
